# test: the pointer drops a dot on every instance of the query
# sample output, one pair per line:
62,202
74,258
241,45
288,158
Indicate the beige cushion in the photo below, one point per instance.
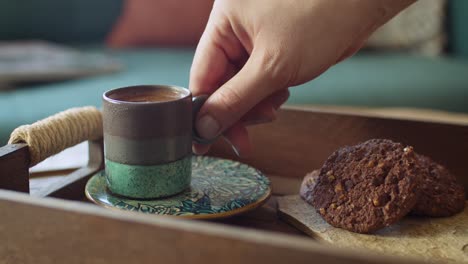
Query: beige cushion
419,28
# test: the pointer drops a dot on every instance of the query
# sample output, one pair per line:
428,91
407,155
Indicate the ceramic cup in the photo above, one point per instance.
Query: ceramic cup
148,133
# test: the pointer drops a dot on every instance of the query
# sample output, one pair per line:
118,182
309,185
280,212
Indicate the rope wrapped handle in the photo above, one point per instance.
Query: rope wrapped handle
53,134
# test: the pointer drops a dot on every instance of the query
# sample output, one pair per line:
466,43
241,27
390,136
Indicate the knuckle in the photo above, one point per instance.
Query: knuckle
195,76
274,65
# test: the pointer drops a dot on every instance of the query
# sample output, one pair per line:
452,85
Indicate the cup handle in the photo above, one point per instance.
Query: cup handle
197,103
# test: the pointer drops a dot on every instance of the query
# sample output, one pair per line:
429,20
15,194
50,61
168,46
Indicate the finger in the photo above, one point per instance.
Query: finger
262,113
208,68
237,137
279,98
236,97
265,111
200,149
217,57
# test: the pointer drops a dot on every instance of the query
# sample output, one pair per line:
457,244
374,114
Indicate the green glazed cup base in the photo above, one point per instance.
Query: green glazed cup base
147,182
219,188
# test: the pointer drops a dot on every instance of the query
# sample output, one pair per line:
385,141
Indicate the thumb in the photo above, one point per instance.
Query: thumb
236,97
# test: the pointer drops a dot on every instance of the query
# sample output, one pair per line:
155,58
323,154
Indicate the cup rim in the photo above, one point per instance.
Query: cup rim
106,95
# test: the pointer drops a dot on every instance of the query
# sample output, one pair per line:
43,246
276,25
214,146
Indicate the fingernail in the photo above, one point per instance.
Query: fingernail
197,151
208,127
194,151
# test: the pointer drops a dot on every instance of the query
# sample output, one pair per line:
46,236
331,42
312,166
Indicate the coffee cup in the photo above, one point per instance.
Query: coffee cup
148,133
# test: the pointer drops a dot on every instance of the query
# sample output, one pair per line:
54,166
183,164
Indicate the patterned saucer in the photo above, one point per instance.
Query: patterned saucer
219,188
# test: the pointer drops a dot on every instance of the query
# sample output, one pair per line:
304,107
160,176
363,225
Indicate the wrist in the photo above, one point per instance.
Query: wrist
366,16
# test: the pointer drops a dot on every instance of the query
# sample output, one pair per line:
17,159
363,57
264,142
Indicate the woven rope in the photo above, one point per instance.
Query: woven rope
58,132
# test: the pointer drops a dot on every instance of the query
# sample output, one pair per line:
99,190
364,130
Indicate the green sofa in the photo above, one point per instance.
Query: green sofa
367,79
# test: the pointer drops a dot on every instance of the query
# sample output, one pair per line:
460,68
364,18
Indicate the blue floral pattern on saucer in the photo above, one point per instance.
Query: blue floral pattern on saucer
219,188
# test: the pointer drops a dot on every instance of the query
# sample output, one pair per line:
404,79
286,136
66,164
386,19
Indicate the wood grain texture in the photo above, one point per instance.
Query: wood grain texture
301,139
72,186
47,230
264,218
14,167
430,239
406,113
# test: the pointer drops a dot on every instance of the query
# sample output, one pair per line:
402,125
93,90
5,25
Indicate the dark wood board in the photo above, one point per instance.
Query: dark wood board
14,167
48,230
55,230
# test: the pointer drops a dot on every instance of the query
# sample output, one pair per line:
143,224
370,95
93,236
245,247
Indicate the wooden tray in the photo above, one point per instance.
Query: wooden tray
56,224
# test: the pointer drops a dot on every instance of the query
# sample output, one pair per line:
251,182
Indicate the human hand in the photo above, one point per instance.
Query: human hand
253,50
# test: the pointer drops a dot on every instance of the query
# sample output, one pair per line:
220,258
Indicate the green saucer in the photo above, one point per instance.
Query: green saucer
219,188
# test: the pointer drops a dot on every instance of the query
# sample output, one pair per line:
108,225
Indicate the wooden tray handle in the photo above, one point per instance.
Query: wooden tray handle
53,134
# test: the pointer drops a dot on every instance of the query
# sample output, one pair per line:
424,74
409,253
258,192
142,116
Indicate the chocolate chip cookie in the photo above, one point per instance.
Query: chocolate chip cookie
441,194
366,187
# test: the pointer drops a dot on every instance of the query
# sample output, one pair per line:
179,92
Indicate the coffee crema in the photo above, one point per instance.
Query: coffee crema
147,95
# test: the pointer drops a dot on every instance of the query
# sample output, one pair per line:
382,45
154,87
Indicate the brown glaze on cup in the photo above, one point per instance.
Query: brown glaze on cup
150,131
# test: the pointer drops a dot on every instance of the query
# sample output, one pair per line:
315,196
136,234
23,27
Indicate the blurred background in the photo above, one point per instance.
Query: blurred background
57,54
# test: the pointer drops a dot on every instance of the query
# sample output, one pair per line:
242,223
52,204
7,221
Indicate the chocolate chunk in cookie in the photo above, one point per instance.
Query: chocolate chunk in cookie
441,194
366,187
308,185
